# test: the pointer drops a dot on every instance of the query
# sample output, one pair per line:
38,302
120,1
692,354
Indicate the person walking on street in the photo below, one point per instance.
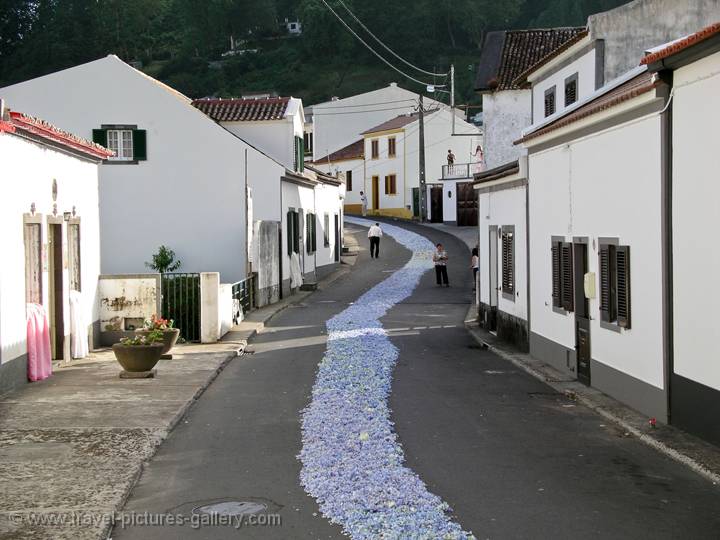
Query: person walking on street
440,259
374,234
474,265
363,201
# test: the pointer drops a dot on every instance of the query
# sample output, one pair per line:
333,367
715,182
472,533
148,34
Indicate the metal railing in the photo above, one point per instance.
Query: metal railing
462,170
244,297
181,302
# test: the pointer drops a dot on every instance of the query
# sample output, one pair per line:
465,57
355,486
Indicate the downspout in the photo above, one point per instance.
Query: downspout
247,231
527,244
280,235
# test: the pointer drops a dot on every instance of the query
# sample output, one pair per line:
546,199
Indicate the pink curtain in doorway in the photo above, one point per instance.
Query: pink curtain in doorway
38,343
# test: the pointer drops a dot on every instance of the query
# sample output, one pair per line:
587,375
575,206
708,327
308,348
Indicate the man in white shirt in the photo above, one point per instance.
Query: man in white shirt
363,201
374,234
440,259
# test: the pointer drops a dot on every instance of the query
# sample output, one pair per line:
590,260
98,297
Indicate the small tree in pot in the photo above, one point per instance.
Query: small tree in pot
166,327
139,353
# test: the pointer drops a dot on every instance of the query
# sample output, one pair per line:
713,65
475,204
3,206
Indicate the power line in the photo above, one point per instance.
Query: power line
388,48
361,40
365,104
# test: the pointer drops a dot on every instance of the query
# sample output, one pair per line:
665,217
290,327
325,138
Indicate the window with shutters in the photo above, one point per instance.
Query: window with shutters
128,143
293,232
391,147
571,89
326,231
391,184
33,263
614,263
311,233
308,142
348,181
299,154
562,275
375,148
549,101
74,256
508,262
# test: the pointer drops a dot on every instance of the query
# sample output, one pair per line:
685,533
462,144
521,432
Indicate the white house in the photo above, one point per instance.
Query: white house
391,166
348,163
178,178
339,122
274,125
596,240
50,236
692,371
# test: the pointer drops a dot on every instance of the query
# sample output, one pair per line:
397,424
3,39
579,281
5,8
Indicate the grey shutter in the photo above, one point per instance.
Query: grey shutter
622,264
508,263
556,285
139,138
566,270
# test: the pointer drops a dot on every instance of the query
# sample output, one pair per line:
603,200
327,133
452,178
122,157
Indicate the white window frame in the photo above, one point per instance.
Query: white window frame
123,148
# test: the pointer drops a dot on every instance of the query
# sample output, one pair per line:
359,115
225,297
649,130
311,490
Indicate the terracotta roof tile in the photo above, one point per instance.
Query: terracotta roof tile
355,150
681,44
520,49
19,122
643,83
521,79
243,110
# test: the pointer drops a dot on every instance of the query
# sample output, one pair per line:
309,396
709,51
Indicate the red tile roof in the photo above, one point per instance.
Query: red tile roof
243,110
643,83
521,79
680,44
394,123
19,122
355,150
504,58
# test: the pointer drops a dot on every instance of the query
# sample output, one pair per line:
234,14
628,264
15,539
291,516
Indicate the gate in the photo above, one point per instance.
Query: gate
181,303
467,205
244,297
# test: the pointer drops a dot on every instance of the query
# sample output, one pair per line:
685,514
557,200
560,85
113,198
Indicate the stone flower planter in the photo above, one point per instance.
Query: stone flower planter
138,358
170,337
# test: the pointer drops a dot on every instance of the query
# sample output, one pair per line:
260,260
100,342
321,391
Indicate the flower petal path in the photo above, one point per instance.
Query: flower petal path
352,461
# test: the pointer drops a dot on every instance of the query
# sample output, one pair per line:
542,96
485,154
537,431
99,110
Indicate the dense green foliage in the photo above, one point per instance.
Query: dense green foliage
182,41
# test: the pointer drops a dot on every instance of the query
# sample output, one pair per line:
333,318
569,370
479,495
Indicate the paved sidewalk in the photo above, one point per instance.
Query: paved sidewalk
696,454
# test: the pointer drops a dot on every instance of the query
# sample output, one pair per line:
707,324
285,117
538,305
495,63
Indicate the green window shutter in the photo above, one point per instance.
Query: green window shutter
139,144
308,232
296,232
290,233
314,233
100,137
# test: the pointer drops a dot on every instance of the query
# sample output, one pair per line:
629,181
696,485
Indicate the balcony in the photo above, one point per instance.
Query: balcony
462,170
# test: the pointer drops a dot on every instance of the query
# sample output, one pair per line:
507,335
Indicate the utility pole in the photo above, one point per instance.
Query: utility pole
452,96
421,142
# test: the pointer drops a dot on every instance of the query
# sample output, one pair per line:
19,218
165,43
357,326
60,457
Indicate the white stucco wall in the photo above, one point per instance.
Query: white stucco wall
361,112
504,208
273,137
696,221
603,185
188,195
357,166
28,170
505,115
297,198
584,67
327,200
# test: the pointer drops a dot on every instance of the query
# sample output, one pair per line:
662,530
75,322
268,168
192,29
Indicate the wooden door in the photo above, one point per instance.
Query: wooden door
57,322
376,193
467,205
33,263
337,238
582,314
436,204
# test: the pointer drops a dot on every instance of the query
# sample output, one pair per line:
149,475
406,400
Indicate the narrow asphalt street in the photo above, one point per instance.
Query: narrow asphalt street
513,458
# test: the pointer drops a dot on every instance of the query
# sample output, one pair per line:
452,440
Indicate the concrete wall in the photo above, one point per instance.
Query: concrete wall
267,262
634,27
125,301
696,221
193,178
505,115
607,184
28,172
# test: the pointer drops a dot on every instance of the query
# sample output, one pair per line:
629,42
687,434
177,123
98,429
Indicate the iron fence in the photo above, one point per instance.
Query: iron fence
181,302
244,297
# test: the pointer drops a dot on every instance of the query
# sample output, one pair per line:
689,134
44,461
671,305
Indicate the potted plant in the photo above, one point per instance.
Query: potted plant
170,334
139,353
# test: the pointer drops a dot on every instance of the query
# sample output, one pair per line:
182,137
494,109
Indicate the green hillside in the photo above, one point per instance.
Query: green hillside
182,42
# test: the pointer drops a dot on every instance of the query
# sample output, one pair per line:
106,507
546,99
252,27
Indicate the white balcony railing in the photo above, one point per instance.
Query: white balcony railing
462,170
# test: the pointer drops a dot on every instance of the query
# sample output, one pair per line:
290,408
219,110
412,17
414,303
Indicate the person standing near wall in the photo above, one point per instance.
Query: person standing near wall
363,202
440,259
374,234
474,263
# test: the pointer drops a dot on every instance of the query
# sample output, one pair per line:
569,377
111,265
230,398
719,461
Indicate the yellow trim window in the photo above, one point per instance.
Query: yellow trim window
391,184
391,147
